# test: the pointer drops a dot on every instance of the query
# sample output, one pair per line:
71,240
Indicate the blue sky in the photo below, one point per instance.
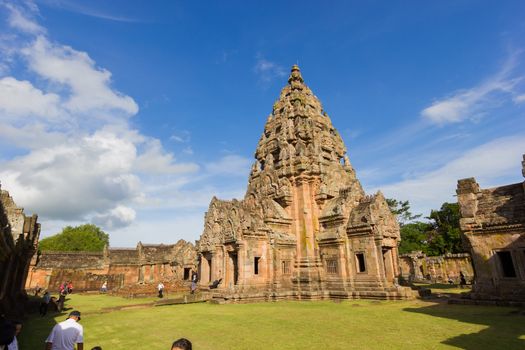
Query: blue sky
133,114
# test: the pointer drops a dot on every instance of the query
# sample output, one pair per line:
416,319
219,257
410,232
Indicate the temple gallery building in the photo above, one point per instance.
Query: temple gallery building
305,228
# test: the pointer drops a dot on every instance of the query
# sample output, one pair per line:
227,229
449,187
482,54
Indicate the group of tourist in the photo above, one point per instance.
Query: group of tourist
64,335
67,334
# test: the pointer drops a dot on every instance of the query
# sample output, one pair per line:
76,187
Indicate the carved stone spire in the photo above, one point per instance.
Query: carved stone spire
299,136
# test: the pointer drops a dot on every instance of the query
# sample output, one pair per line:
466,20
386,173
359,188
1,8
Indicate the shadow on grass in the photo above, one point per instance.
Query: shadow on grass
36,328
504,325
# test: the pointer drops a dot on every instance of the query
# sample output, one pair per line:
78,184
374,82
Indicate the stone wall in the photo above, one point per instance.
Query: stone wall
120,267
417,267
493,226
18,239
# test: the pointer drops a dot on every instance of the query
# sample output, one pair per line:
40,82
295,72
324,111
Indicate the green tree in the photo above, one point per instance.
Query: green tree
402,210
414,237
439,236
445,234
87,237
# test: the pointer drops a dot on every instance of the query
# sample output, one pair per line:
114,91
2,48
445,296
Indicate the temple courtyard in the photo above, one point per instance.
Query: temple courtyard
117,323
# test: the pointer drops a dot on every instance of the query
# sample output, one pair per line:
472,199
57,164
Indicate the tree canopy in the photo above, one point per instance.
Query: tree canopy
439,235
87,237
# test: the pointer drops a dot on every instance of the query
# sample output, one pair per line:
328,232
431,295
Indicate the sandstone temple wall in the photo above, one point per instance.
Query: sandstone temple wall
493,225
18,240
120,267
417,267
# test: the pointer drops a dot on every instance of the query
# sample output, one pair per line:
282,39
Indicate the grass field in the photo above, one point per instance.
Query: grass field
288,325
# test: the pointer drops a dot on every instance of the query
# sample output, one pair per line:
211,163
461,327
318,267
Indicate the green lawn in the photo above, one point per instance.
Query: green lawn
289,325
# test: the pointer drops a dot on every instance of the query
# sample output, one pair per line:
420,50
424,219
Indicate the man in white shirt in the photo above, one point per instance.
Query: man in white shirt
66,334
14,343
160,288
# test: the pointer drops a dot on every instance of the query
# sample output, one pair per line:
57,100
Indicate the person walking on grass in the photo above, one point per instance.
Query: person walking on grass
66,334
104,288
160,288
44,304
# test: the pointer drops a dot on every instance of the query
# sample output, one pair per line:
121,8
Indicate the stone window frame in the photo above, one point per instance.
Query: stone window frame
357,265
286,267
256,267
331,266
501,273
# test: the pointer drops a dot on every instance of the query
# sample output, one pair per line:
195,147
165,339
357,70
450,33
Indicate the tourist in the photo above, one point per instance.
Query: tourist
54,304
66,334
61,301
160,288
215,283
7,332
194,279
45,303
18,328
70,287
462,280
181,344
104,288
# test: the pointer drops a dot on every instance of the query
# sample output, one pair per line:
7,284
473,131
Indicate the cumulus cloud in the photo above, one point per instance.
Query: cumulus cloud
117,217
490,163
76,179
468,103
21,98
78,157
89,85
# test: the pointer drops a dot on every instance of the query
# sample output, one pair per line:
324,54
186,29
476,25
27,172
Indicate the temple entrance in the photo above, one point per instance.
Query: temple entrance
232,272
388,263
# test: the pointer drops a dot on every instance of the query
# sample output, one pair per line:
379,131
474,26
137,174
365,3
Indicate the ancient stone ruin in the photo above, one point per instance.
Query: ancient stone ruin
122,268
417,267
493,224
305,228
18,240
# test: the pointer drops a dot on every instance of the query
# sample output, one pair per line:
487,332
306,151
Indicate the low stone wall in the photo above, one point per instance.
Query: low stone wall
417,267
120,267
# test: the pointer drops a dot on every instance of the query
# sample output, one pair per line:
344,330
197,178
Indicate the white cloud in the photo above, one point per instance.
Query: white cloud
268,70
78,157
89,85
74,180
183,136
519,99
117,217
468,103
154,160
490,163
21,98
233,165
21,21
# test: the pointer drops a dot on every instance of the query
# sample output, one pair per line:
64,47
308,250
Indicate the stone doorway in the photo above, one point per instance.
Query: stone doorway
388,263
232,276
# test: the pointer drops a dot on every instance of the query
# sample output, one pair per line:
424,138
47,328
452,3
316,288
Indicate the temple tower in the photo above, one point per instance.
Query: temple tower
305,228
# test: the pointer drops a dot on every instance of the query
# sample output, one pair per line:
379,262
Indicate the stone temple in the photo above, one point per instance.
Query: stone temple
305,228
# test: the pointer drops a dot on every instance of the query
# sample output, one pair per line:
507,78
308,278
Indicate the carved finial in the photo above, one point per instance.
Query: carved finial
295,75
